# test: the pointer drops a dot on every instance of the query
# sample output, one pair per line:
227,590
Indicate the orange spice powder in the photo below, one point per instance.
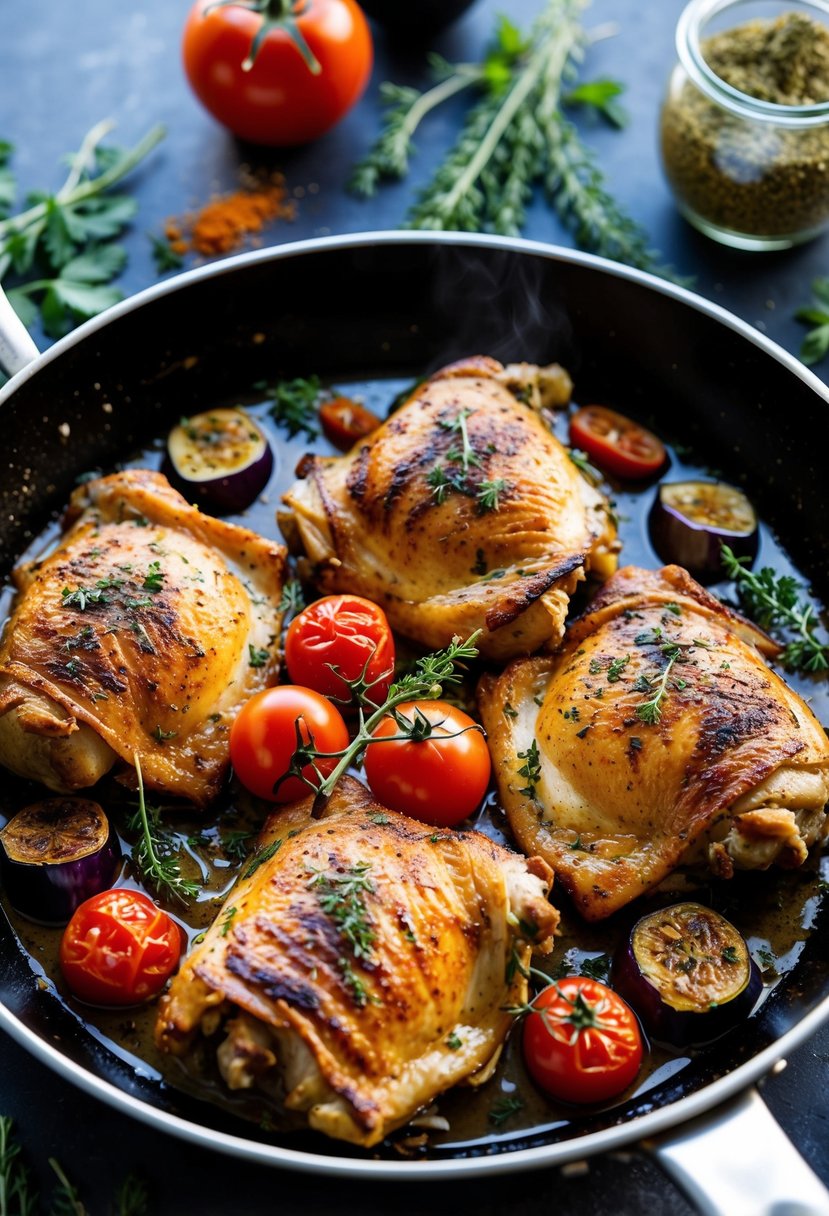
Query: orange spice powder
224,222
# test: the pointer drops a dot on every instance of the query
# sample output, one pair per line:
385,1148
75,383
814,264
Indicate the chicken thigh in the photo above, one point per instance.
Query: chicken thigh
140,634
461,512
658,737
362,964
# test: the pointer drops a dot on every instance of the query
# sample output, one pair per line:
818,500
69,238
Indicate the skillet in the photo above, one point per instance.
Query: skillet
413,303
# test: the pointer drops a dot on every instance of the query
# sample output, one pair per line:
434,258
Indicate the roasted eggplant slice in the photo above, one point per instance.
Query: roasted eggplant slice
219,459
55,854
688,974
690,521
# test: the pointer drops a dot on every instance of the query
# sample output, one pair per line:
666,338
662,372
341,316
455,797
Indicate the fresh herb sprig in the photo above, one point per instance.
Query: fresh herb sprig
515,137
153,855
815,345
427,680
57,256
294,404
771,599
341,896
17,1193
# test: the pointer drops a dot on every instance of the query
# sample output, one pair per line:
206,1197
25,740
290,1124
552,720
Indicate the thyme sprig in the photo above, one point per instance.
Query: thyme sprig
515,137
426,682
771,599
341,896
17,1193
153,855
58,254
530,769
294,404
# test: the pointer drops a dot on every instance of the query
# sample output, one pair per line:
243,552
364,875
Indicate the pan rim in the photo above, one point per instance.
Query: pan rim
641,1127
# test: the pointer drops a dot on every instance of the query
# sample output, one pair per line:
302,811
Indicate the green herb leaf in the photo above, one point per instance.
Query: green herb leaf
600,96
295,404
154,855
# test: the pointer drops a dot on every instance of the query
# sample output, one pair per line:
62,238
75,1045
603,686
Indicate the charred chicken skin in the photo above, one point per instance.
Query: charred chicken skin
361,966
141,634
461,512
658,737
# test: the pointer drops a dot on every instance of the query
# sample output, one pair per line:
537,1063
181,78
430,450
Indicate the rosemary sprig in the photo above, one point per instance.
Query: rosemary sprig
426,682
504,1109
772,599
342,897
65,1201
515,137
488,494
17,1194
153,856
292,600
650,711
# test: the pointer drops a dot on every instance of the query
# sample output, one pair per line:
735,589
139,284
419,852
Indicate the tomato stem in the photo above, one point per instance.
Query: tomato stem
276,15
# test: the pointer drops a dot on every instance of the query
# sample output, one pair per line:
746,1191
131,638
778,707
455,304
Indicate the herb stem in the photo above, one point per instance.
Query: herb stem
466,74
91,188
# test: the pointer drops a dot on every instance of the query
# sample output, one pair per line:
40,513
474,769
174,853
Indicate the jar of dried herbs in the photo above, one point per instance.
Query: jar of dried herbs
745,123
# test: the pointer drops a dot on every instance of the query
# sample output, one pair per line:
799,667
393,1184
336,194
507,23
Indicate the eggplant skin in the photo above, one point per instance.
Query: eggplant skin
681,970
56,854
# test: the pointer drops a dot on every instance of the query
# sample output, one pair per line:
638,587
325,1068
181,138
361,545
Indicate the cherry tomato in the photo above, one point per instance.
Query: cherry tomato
343,631
583,1044
279,99
345,421
616,443
438,775
119,948
264,738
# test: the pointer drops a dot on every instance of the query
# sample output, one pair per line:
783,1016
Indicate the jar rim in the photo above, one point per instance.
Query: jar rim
689,50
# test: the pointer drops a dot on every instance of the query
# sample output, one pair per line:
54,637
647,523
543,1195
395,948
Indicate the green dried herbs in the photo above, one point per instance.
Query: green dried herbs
752,175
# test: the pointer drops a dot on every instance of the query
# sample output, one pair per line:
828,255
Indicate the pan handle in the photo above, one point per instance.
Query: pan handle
737,1161
17,349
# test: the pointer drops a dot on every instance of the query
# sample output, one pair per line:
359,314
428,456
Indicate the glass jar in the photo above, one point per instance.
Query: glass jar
749,172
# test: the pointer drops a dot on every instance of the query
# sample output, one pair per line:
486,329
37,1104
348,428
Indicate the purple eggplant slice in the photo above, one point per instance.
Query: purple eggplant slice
691,520
688,974
220,459
55,854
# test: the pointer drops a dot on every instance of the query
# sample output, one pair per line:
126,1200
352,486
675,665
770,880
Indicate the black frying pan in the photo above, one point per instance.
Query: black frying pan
387,305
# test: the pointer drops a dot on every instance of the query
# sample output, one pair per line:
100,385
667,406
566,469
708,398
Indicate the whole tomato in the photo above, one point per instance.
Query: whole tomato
119,948
277,72
429,760
581,1041
263,739
340,638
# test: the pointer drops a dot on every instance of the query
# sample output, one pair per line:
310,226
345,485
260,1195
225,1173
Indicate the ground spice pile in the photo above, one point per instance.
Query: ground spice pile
225,222
751,176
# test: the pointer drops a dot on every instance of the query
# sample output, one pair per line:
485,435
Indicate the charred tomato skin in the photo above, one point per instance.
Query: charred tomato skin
345,632
119,949
582,1042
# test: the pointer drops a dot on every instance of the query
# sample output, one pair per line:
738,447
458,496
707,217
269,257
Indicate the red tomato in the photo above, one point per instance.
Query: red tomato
278,99
343,631
616,443
440,778
264,738
119,948
584,1043
345,421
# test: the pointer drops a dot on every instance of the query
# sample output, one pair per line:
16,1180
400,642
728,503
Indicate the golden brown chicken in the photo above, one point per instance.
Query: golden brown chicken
658,737
142,633
461,512
362,964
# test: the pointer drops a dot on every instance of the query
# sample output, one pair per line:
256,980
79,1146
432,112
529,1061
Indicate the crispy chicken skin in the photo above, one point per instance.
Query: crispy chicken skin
360,1038
733,769
372,523
133,637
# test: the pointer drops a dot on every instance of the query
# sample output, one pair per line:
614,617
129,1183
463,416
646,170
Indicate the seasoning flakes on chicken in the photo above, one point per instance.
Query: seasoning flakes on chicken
362,965
461,512
141,633
657,738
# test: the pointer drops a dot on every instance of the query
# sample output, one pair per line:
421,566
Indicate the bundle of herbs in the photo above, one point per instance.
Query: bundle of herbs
58,255
515,138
